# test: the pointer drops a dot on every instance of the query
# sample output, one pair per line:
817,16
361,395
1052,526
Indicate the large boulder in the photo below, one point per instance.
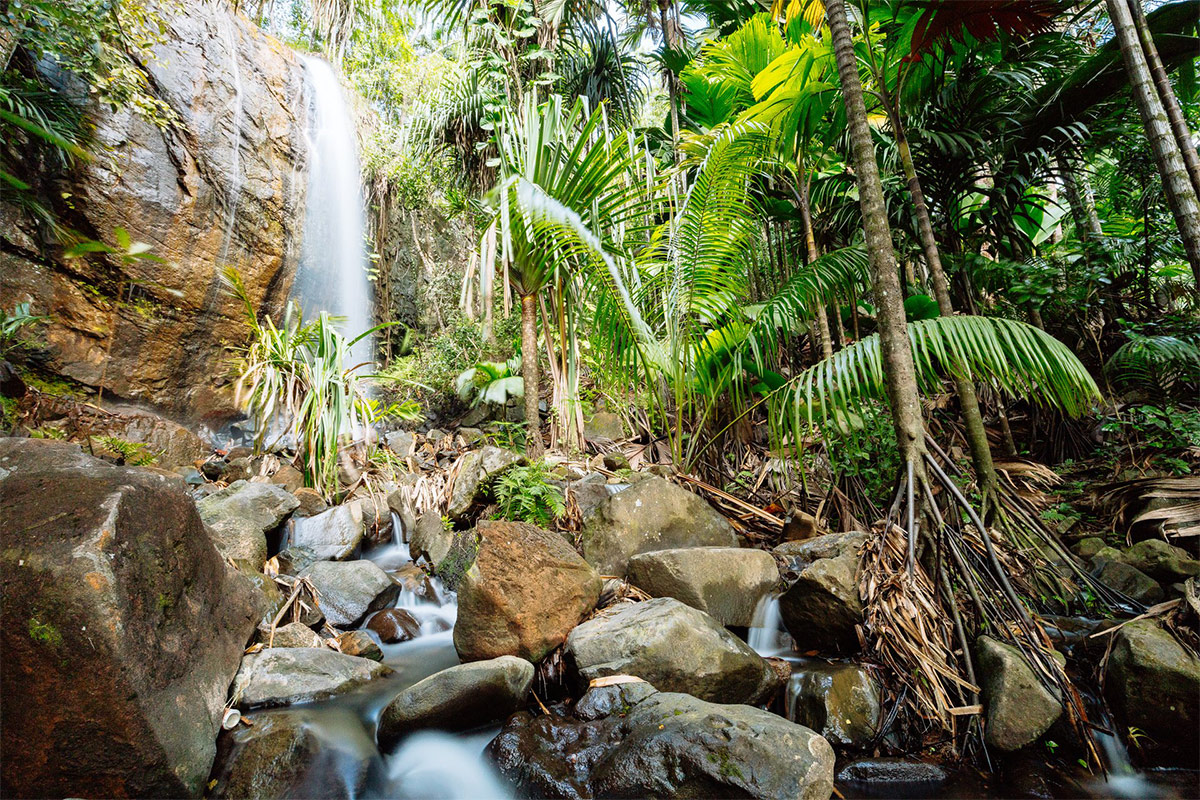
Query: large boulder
653,514
1019,708
670,645
1161,561
476,472
334,533
822,608
630,740
241,514
284,754
347,591
121,629
283,675
838,701
223,183
459,698
1153,684
523,594
725,582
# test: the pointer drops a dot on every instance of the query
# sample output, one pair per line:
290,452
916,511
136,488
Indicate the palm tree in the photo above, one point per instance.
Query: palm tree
563,192
1177,183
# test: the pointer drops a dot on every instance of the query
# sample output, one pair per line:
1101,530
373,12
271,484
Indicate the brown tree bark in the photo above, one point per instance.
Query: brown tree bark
968,400
899,371
810,244
534,448
1177,184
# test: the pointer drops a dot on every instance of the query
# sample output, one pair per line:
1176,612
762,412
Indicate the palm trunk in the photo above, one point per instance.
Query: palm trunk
1181,195
899,371
810,244
534,449
968,400
1166,93
1079,199
668,37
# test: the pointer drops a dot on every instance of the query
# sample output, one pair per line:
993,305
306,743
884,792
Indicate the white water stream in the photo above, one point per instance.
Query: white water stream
332,275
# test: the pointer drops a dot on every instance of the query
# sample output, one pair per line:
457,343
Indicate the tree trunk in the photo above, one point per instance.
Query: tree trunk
534,449
1079,198
669,42
898,369
968,400
1166,93
810,244
1181,196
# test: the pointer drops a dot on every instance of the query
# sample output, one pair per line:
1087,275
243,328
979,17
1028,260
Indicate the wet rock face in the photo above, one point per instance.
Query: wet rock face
839,701
334,533
653,514
724,582
459,698
283,755
225,187
822,607
631,740
475,474
1153,684
670,645
121,629
523,594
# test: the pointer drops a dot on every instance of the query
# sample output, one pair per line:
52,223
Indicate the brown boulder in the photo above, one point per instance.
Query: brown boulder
523,594
120,624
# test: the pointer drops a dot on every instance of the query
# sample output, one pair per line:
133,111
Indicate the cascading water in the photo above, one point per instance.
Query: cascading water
332,275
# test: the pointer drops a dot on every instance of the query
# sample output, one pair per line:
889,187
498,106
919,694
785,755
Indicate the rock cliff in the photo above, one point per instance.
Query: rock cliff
223,186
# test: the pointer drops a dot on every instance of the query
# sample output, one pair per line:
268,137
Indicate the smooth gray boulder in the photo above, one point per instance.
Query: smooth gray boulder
333,534
283,675
475,474
838,701
1019,708
459,698
630,740
1153,683
821,608
671,645
241,514
724,582
349,590
652,514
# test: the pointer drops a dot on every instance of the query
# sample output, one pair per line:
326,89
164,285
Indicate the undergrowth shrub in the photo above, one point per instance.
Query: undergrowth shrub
525,494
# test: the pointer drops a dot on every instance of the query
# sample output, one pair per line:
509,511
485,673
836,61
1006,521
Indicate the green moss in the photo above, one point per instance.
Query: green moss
164,602
44,632
454,566
726,767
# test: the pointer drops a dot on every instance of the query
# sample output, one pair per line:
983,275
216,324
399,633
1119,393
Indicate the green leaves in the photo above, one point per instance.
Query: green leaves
1013,357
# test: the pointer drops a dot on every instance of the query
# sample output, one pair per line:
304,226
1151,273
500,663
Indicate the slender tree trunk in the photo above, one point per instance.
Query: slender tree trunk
810,244
1166,93
1079,199
534,448
899,371
968,400
669,42
1181,195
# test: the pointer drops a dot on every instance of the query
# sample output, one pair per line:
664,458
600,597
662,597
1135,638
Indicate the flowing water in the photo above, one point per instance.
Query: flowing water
332,275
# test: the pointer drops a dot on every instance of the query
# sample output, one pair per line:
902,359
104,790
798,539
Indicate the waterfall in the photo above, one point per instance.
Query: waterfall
332,275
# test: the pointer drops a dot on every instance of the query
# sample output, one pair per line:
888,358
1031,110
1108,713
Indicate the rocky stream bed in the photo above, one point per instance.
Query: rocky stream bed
221,631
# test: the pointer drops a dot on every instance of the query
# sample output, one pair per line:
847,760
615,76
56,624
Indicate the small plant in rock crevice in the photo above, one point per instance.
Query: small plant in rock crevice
525,494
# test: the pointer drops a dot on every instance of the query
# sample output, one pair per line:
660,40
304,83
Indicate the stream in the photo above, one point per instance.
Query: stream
452,766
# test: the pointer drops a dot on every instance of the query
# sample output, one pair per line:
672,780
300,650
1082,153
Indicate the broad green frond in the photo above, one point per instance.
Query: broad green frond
1013,357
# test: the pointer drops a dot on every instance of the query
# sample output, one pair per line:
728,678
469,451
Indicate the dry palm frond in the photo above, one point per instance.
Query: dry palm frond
1132,505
